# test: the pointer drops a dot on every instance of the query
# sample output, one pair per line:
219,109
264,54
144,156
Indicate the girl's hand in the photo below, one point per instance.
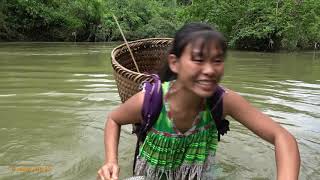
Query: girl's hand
109,171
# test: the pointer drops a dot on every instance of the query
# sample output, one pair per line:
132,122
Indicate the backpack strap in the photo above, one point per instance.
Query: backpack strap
216,106
152,104
151,109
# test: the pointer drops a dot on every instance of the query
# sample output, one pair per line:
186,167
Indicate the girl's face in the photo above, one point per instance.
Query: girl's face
199,70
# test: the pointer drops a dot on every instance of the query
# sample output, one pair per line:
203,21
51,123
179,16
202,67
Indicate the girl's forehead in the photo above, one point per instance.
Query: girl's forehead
205,49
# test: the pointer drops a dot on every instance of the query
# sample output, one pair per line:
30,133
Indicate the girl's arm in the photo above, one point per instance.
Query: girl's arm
127,113
286,148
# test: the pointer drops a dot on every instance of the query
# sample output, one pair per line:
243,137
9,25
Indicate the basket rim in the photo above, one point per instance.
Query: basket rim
115,62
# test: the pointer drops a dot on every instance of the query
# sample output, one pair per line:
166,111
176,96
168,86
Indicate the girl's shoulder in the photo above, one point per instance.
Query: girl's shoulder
234,102
229,95
129,112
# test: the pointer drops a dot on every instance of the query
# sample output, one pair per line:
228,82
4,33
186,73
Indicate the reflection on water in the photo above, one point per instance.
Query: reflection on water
54,98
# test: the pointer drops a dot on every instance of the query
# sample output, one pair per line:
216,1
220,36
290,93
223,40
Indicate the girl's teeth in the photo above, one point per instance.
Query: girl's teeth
205,82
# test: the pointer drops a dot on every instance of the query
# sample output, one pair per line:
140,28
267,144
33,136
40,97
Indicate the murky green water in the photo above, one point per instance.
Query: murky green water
54,98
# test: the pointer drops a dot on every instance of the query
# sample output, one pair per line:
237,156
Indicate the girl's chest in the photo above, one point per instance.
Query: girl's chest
185,121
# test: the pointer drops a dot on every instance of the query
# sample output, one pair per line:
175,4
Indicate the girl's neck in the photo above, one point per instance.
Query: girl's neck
182,98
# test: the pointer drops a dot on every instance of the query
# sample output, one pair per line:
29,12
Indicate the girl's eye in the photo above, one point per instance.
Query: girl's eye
218,60
198,60
196,57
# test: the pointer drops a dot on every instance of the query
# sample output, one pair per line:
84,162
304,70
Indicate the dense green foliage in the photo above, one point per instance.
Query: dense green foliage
261,24
253,25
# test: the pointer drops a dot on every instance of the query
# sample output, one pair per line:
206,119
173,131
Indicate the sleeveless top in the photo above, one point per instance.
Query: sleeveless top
169,154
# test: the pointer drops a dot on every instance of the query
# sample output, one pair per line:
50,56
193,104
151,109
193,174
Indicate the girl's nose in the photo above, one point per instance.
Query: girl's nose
209,69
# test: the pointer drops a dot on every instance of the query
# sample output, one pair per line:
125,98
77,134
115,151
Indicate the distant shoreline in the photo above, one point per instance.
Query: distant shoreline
120,42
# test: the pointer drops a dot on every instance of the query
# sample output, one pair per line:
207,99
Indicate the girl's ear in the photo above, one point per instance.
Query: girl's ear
173,63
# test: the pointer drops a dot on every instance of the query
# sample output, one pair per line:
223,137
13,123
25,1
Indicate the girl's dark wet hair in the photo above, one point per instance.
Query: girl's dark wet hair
190,34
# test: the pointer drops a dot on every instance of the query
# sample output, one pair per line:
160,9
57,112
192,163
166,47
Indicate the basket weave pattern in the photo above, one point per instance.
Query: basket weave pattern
149,55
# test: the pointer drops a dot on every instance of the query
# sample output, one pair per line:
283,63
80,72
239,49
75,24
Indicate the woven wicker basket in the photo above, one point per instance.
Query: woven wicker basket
149,55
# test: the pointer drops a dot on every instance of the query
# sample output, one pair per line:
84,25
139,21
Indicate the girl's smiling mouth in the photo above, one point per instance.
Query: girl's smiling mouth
206,85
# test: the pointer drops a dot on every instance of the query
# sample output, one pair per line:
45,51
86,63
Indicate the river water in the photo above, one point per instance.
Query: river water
54,99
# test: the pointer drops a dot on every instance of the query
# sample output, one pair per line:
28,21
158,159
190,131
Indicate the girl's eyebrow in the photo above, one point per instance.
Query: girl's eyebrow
197,53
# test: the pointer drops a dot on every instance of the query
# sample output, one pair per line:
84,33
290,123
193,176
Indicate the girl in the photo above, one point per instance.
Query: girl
183,141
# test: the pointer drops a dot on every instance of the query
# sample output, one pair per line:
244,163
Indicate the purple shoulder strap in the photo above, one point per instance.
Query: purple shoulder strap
152,104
